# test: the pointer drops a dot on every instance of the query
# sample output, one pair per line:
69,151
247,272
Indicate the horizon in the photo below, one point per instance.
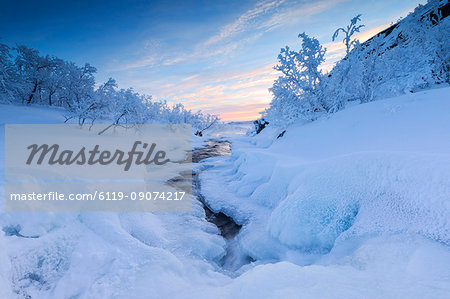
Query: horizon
215,57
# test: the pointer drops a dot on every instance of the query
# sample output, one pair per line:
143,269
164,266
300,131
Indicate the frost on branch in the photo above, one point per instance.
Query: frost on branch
27,77
295,92
411,55
349,31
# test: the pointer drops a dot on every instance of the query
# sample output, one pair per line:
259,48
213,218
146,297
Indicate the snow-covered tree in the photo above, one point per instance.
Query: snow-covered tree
434,31
54,82
349,31
410,55
295,92
78,93
30,78
34,70
6,72
127,107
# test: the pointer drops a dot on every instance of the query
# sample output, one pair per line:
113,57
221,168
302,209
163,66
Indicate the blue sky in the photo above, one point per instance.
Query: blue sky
216,56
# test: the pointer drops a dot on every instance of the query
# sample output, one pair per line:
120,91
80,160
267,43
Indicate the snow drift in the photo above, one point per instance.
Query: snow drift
349,205
381,168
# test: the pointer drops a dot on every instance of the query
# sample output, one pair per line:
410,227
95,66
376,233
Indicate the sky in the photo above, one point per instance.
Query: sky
214,56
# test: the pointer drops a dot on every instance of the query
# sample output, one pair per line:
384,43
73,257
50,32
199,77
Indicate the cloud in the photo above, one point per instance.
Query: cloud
242,95
190,77
243,22
242,112
247,28
237,95
264,17
207,80
295,14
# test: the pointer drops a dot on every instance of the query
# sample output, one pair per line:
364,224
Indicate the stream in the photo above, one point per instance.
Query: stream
233,260
228,228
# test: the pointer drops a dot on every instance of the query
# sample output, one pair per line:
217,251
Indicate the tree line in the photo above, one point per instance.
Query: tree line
411,55
27,77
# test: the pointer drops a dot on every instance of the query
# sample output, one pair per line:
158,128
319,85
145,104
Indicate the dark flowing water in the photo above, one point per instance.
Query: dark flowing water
233,259
228,228
213,148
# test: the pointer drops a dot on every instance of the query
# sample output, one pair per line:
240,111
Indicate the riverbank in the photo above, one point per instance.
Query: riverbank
359,198
353,204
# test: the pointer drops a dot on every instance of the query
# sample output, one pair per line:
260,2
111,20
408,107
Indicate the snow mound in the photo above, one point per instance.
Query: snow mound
377,168
349,206
394,267
101,255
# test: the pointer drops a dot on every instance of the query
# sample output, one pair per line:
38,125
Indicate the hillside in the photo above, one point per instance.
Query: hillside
341,189
409,56
356,203
359,197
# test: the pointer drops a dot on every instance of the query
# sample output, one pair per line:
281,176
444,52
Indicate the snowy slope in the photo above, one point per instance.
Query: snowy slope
101,255
359,189
350,206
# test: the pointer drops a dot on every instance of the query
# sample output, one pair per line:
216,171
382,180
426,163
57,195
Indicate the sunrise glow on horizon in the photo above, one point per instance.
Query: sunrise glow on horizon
215,57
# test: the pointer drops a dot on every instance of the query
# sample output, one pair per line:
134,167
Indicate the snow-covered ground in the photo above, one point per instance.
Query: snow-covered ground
356,205
361,200
102,255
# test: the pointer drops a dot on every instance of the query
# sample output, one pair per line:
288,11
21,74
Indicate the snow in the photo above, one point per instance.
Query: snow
410,55
102,255
368,272
371,172
353,205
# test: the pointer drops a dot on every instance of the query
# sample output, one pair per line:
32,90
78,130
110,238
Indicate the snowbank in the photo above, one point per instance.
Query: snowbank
376,170
101,255
350,206
395,267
